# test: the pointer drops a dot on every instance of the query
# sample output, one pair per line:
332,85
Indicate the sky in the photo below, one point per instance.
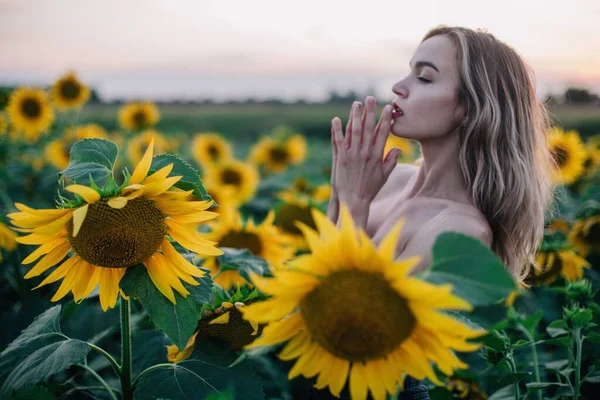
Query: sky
197,49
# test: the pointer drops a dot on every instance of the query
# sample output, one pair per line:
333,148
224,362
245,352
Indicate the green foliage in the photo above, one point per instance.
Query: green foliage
177,320
190,178
476,273
242,261
206,372
38,353
91,160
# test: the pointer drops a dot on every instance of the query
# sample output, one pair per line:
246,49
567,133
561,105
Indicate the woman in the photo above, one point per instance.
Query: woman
470,102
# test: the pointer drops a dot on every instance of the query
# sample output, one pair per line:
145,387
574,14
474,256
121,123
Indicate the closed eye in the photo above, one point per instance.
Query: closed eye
425,80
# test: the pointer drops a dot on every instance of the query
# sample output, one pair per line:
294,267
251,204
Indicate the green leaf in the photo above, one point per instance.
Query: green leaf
29,393
557,328
91,157
582,318
39,352
514,377
190,177
563,341
243,261
542,385
593,337
228,394
593,377
178,321
531,322
506,393
521,343
207,371
477,275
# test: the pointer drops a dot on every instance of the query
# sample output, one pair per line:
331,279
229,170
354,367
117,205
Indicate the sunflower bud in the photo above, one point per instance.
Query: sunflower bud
577,317
580,292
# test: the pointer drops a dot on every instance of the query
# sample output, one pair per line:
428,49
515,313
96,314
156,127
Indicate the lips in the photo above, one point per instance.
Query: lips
396,111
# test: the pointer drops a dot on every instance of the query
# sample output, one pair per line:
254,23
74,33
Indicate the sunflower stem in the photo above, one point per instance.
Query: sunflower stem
536,368
578,344
513,368
99,378
112,361
126,387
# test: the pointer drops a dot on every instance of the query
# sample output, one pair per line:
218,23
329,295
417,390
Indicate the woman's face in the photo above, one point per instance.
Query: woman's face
428,95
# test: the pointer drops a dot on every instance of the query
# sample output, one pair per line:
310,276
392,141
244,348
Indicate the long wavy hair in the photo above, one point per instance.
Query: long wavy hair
503,153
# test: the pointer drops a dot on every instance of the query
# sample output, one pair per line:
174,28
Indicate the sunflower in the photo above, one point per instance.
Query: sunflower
69,93
303,188
294,209
57,151
568,154
554,262
224,197
3,124
593,153
222,321
138,115
262,240
406,145
7,239
350,312
30,112
585,236
109,233
277,154
559,225
137,144
242,178
210,148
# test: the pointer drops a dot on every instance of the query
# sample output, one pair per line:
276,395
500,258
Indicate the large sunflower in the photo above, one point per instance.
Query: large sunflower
350,312
30,112
68,92
585,235
568,153
137,144
263,240
210,148
138,115
294,209
108,234
7,239
242,178
57,151
277,154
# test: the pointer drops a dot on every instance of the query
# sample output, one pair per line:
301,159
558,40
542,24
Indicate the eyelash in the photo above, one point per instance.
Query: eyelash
424,80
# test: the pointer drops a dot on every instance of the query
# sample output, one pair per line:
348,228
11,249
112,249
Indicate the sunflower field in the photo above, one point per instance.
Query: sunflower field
142,262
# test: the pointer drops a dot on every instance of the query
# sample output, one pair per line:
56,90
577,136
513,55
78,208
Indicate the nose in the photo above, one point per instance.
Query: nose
400,89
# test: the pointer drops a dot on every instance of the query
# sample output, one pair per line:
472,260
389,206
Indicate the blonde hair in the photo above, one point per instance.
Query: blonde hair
503,153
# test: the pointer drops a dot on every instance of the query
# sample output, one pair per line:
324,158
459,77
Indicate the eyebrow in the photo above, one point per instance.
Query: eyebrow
420,64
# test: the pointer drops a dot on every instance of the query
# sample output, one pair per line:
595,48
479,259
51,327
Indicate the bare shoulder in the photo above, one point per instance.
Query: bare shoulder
397,179
468,223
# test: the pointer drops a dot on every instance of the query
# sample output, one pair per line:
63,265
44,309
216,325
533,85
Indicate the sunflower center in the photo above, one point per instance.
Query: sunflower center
560,155
213,152
357,316
31,107
70,89
119,238
139,119
301,185
231,177
290,213
279,155
242,240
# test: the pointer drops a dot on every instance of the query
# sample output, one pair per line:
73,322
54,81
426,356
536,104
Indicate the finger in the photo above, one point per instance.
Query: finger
348,134
390,161
338,136
383,130
334,149
369,117
356,127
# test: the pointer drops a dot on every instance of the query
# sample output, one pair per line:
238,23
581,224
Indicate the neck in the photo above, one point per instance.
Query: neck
440,175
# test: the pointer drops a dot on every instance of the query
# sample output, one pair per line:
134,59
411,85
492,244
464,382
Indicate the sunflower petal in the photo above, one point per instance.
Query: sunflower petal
78,218
87,193
117,202
141,170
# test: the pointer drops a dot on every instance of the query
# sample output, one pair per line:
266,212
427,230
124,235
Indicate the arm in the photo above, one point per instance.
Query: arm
421,243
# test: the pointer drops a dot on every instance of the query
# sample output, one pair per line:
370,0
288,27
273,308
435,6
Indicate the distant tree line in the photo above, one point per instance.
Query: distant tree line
572,96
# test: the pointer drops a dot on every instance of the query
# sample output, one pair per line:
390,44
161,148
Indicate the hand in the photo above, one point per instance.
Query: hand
359,170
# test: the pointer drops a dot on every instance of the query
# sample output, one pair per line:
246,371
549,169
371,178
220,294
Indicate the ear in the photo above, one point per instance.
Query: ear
460,114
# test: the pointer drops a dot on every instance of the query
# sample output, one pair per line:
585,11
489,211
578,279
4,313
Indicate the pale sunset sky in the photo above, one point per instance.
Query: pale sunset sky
196,49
